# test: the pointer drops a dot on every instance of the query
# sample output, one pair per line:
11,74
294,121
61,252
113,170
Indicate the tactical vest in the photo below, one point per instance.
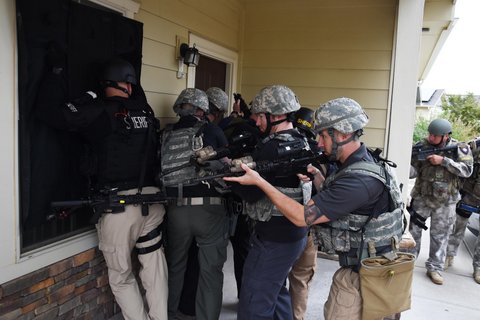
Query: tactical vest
435,184
471,185
264,209
364,233
129,147
178,147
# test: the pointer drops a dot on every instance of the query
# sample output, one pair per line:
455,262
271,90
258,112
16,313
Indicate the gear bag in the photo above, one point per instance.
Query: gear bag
386,285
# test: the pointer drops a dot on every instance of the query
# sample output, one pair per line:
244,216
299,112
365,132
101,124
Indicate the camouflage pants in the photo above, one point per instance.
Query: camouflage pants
457,236
441,224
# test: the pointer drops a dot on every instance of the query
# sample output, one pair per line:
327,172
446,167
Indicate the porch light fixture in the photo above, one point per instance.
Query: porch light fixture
189,56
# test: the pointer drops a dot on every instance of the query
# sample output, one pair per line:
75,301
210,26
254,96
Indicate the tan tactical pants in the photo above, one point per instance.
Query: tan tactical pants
300,277
118,234
345,300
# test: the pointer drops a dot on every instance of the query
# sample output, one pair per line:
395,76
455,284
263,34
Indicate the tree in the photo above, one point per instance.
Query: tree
464,114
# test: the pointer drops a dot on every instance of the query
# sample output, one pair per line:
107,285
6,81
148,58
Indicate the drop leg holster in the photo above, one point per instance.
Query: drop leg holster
158,231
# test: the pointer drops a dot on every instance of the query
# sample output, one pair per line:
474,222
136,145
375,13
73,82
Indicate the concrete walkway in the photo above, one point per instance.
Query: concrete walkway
457,299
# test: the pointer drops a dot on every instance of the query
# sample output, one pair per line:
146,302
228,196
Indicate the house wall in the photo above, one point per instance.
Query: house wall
323,50
164,20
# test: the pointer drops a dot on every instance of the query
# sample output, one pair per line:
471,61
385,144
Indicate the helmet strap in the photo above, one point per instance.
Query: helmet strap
113,84
336,144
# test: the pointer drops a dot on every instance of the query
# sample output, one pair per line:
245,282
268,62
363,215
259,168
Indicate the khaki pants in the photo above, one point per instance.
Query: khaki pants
300,277
345,300
118,234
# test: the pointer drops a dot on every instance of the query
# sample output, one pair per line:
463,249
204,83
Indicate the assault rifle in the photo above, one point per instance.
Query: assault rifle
286,164
107,201
421,152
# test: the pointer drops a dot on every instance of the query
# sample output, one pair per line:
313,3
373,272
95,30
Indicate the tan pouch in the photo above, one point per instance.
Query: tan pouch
385,285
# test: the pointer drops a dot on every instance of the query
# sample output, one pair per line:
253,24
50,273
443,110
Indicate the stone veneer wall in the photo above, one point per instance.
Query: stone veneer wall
74,288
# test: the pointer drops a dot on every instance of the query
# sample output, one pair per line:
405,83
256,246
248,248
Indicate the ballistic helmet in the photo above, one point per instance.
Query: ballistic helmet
305,121
218,98
276,100
195,97
119,70
342,114
440,127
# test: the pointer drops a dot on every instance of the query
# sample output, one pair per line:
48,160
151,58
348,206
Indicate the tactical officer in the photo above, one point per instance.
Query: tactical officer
198,211
217,104
275,243
242,137
340,123
123,134
303,270
436,192
470,203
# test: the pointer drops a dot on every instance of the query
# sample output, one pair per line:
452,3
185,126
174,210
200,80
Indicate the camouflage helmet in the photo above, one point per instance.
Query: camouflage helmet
195,97
276,99
439,127
342,114
218,98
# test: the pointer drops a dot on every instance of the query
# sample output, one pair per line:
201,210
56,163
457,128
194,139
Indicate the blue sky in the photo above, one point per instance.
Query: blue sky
457,68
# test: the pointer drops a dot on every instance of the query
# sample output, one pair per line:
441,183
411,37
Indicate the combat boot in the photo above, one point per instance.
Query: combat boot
435,276
476,275
449,261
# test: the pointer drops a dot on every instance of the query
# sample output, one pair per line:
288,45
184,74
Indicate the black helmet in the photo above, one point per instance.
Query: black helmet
440,127
304,121
119,70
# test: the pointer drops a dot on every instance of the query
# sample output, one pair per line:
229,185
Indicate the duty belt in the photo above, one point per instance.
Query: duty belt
200,201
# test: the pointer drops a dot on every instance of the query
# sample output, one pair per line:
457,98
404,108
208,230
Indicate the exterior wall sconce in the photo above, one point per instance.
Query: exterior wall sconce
189,56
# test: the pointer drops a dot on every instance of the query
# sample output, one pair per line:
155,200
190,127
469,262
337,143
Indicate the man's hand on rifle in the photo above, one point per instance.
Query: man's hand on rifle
435,159
251,177
314,172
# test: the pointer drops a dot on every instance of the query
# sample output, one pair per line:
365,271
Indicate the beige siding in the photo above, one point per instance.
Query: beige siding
163,21
323,50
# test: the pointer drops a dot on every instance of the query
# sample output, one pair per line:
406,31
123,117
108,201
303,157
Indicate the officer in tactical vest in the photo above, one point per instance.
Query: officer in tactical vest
353,202
123,134
217,104
470,203
198,213
303,270
276,243
238,146
436,193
